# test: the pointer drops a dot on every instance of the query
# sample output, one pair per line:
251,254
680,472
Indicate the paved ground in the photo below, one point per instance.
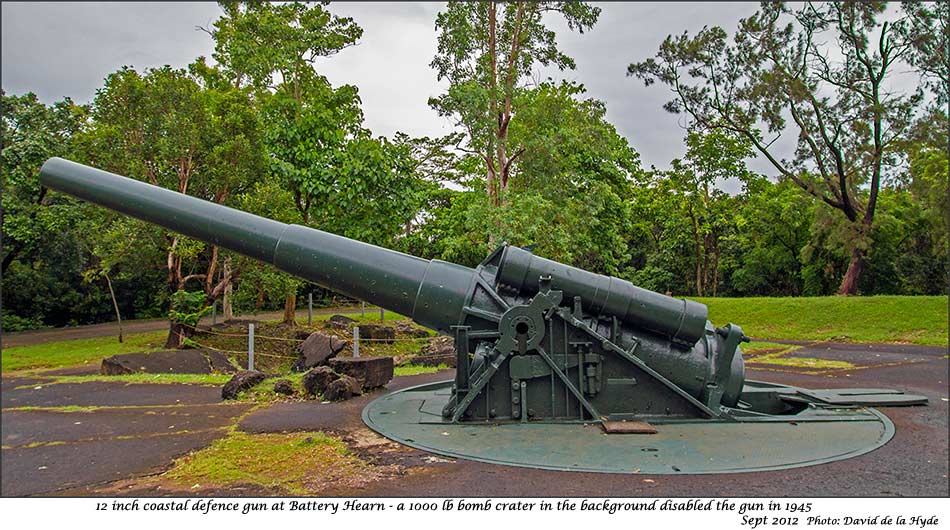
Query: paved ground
141,428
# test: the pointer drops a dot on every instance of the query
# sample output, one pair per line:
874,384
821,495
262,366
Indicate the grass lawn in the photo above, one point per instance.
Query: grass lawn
413,369
895,319
298,463
902,319
79,351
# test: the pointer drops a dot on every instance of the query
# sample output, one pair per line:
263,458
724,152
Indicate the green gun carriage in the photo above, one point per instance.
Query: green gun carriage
544,352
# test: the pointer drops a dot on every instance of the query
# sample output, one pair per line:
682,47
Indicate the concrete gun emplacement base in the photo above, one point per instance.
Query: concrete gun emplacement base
542,349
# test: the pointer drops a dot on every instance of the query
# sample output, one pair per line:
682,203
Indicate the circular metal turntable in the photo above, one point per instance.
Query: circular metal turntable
413,417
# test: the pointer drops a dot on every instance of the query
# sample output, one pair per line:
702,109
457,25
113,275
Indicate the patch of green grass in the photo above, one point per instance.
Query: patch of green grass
801,362
79,351
31,445
758,346
895,319
412,369
297,463
67,408
263,392
775,354
194,379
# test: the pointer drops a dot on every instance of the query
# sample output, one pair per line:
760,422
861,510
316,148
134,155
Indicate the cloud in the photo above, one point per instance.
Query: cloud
66,49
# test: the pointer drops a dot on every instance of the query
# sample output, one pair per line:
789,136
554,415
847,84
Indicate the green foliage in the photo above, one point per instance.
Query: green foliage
486,50
258,41
263,287
187,307
928,26
13,323
824,65
691,186
574,174
31,133
763,254
533,163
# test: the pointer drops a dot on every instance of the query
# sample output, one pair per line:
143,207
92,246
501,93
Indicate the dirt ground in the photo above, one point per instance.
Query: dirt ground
135,431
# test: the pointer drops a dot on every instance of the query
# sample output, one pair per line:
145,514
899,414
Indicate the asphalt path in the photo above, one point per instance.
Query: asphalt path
122,430
913,463
137,430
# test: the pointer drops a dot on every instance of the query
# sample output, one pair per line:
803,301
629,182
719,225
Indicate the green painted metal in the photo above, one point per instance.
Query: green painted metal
536,340
816,436
367,272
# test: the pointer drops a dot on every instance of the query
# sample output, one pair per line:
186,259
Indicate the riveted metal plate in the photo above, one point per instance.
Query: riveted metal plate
676,448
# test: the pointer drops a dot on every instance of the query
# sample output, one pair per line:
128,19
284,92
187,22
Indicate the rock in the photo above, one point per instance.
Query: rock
284,386
404,327
439,350
377,333
316,350
241,381
220,363
403,360
371,372
440,345
341,322
168,362
343,388
449,360
316,381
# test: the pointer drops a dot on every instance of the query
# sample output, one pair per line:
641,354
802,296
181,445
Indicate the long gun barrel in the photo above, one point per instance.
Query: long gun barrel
583,340
385,277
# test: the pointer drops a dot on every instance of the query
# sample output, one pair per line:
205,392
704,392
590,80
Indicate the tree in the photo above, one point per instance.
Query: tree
167,128
486,50
342,179
32,132
928,31
569,197
762,256
779,66
272,48
711,158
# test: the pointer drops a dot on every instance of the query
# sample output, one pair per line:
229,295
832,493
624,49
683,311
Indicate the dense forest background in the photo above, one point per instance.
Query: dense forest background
861,207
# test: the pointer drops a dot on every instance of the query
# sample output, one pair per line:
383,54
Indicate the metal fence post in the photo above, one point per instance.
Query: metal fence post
310,309
382,314
356,341
250,346
363,309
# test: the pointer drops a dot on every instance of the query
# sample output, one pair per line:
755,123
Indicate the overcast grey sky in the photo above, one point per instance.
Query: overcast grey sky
66,49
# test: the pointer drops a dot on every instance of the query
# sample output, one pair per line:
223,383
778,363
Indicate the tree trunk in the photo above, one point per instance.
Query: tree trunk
227,311
118,317
177,333
715,284
849,285
698,251
290,310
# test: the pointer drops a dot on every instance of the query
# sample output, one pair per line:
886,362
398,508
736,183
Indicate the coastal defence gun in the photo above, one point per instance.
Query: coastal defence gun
537,341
